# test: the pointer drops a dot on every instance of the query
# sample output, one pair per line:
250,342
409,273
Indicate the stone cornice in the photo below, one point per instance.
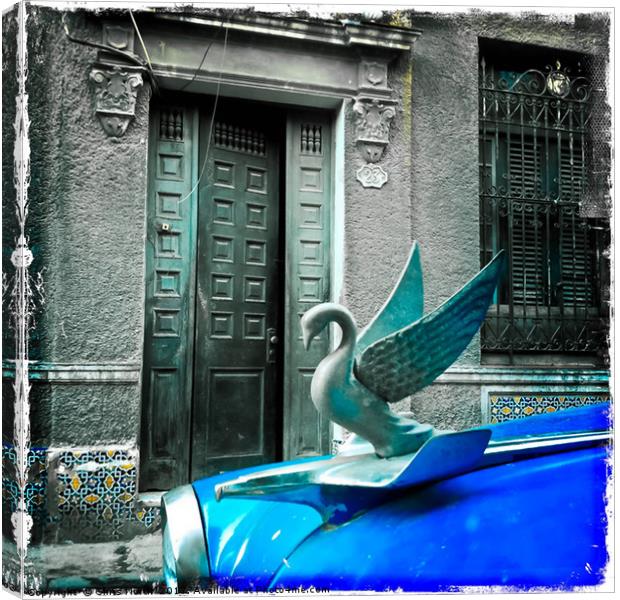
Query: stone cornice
335,33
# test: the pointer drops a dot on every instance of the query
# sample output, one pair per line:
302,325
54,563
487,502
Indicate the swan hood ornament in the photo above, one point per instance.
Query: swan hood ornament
400,352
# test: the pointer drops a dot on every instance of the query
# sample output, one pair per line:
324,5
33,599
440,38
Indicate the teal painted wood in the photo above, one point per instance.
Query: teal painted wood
170,250
237,394
308,231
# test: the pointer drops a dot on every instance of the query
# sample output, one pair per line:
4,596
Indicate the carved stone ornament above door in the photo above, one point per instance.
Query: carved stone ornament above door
116,89
373,76
118,36
372,118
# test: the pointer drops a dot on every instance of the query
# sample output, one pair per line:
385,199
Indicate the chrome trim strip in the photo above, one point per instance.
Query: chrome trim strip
505,451
183,536
546,439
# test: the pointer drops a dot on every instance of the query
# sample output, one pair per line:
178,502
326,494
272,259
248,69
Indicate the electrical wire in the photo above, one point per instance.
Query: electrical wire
149,69
128,55
146,52
204,56
210,136
135,59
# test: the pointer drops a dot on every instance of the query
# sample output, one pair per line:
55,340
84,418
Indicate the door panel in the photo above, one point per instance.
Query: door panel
308,227
236,392
170,254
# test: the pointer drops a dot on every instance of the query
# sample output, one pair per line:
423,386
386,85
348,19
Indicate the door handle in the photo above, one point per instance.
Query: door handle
272,342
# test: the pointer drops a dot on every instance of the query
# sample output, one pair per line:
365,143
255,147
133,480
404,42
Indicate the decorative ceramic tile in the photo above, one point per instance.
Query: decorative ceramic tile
149,516
504,407
80,494
94,495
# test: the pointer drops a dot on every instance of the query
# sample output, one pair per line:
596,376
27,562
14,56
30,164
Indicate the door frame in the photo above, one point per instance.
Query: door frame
336,119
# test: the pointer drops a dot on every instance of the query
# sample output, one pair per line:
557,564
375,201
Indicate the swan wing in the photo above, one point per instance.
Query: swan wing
404,305
406,361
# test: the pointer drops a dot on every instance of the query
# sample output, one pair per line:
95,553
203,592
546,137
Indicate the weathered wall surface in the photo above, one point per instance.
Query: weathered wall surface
585,33
448,406
91,194
378,221
87,202
93,414
9,94
445,160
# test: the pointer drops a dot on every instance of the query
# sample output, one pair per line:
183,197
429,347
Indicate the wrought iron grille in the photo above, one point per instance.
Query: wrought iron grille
533,169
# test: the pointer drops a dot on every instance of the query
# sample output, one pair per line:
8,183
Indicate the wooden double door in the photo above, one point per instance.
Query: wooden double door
238,236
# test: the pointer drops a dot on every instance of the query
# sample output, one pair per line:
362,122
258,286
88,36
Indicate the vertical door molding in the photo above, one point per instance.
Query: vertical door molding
169,298
308,236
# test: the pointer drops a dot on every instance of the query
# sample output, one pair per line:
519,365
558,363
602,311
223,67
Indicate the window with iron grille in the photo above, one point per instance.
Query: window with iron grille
535,115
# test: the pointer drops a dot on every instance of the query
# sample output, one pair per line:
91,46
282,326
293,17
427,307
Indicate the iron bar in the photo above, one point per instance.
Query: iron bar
532,176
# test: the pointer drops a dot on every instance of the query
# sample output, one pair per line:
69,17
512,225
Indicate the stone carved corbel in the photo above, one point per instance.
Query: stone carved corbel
372,117
116,89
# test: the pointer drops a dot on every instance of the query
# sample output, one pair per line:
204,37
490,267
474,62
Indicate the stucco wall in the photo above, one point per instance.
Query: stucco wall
9,93
448,406
445,160
87,202
378,221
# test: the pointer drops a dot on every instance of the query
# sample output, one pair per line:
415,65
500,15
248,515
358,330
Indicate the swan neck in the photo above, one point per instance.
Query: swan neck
349,330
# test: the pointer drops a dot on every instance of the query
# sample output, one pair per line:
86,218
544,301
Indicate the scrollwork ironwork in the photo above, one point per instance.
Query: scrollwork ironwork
554,81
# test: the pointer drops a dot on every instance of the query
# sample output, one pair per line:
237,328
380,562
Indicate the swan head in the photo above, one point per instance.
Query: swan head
314,320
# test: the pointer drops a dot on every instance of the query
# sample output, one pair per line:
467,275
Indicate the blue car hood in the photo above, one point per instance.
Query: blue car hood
535,522
248,540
